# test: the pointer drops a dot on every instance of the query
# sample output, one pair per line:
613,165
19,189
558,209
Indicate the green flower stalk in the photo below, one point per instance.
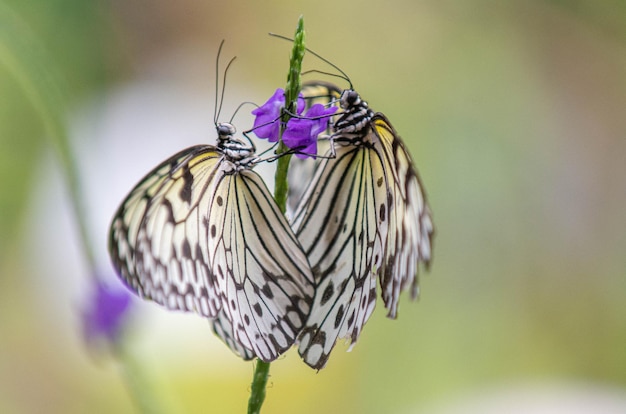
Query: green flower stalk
291,95
281,187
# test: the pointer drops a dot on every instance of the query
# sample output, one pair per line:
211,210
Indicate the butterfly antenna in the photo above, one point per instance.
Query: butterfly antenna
321,72
241,105
328,62
217,82
224,83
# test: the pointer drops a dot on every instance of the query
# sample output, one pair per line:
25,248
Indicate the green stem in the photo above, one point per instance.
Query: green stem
259,382
292,90
281,189
281,186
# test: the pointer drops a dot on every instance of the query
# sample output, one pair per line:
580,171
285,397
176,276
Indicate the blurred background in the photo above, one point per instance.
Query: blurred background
515,115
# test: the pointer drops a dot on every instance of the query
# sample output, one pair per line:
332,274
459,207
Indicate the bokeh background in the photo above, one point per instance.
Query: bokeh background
514,112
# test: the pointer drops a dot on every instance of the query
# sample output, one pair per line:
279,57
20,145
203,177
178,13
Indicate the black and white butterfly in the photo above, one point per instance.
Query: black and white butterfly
364,217
202,233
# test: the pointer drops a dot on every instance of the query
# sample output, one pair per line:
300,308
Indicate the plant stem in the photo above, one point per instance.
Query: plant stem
281,189
292,90
259,382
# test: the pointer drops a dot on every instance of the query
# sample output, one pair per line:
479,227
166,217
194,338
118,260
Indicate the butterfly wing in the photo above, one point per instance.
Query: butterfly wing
341,224
202,234
261,272
156,239
411,228
223,328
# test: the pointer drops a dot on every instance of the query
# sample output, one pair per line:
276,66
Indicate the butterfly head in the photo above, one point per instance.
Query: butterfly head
234,149
351,99
225,131
356,117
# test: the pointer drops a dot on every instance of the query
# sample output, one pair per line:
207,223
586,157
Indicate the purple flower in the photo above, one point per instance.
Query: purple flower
105,314
301,133
267,116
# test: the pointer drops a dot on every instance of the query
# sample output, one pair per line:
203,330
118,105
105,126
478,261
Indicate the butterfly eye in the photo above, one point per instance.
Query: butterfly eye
349,98
225,130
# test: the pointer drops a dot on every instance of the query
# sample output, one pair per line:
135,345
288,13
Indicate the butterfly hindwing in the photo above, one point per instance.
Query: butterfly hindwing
410,216
223,328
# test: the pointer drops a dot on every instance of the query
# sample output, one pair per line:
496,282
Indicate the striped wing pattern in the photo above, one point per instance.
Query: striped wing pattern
200,233
342,227
155,239
392,212
411,227
262,275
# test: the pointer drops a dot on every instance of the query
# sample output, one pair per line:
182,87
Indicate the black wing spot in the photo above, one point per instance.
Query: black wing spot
339,316
328,293
351,318
267,290
383,212
185,192
257,308
213,230
220,200
186,249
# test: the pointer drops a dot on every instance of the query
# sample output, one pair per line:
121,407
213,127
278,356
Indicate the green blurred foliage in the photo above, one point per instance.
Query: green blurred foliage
513,112
69,38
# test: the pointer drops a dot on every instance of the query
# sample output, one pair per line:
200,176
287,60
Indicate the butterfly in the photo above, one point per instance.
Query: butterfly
364,217
202,233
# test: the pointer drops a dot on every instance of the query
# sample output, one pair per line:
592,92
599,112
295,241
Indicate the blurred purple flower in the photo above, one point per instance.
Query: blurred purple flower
301,133
266,121
106,313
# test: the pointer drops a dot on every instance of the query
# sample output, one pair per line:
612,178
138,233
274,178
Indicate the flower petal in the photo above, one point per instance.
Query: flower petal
105,315
301,133
266,119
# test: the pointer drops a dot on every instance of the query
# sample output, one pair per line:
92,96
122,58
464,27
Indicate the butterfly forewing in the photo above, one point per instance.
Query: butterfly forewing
262,274
343,236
